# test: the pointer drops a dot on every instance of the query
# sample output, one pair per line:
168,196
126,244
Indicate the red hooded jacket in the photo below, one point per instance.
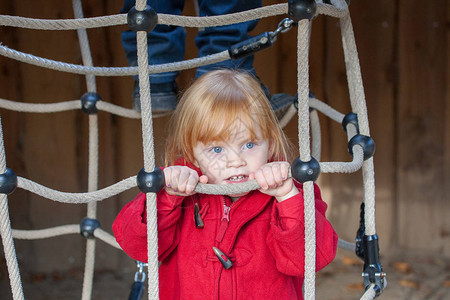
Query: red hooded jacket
263,238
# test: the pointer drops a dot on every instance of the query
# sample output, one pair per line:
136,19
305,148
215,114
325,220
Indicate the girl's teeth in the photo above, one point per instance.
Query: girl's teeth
237,178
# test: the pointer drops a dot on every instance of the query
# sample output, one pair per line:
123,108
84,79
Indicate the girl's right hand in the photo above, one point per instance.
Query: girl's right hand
181,180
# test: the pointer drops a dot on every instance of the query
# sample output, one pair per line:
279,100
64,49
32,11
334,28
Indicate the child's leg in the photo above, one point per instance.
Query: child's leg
165,44
216,39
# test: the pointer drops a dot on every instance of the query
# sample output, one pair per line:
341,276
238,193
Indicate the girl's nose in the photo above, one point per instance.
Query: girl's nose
234,160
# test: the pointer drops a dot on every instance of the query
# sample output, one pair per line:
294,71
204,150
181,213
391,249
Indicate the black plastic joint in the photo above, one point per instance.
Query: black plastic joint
304,171
366,142
8,182
373,271
250,46
89,103
350,118
142,20
88,226
301,9
150,182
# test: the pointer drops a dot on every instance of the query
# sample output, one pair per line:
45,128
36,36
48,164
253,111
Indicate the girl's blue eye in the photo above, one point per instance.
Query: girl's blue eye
249,145
217,149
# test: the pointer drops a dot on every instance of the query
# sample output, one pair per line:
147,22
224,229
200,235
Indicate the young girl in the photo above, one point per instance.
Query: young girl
244,246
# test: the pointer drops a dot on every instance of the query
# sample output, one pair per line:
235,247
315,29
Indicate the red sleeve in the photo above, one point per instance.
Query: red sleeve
130,226
286,239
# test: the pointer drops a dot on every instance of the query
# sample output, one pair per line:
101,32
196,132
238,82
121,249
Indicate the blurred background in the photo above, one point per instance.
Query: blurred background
403,52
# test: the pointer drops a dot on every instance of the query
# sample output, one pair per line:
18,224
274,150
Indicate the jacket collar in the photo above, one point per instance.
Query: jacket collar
244,210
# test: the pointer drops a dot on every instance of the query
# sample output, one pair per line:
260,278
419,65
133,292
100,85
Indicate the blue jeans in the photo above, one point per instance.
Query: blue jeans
167,43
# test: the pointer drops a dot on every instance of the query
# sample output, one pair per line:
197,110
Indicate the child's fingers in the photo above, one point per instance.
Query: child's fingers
174,176
268,175
261,179
284,168
272,175
182,180
168,176
277,175
191,182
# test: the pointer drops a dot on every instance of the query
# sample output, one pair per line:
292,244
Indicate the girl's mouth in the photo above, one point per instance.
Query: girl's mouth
237,179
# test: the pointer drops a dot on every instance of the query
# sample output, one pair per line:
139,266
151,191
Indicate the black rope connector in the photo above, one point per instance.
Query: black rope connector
301,9
359,247
350,118
142,20
250,46
89,103
304,171
88,226
366,142
8,182
373,271
150,182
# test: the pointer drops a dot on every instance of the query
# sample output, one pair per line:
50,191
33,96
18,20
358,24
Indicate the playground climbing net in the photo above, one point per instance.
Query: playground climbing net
305,168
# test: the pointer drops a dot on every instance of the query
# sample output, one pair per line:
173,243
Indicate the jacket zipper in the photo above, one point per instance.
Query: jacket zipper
224,221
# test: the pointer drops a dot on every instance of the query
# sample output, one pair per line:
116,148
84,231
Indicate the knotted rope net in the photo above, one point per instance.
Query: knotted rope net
306,121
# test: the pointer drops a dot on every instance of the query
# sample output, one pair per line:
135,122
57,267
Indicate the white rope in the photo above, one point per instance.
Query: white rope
358,102
369,294
290,113
62,230
74,198
89,262
6,233
45,233
165,19
118,110
305,155
68,24
316,138
149,158
210,21
128,183
106,237
326,110
40,107
111,71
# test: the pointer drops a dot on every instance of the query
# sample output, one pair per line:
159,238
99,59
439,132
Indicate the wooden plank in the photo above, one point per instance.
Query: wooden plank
421,125
50,145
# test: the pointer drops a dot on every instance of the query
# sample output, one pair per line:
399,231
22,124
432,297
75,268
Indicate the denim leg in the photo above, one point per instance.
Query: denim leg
217,39
166,43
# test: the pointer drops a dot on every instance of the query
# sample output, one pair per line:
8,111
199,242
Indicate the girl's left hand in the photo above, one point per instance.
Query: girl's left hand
273,180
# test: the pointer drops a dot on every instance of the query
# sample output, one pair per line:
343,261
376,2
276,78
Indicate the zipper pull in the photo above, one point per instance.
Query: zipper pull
226,213
224,260
223,223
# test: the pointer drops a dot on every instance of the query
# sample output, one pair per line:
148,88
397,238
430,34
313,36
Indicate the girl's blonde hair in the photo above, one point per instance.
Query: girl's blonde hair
210,108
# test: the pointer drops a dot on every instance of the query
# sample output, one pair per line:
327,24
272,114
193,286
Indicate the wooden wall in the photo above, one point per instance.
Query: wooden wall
403,54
